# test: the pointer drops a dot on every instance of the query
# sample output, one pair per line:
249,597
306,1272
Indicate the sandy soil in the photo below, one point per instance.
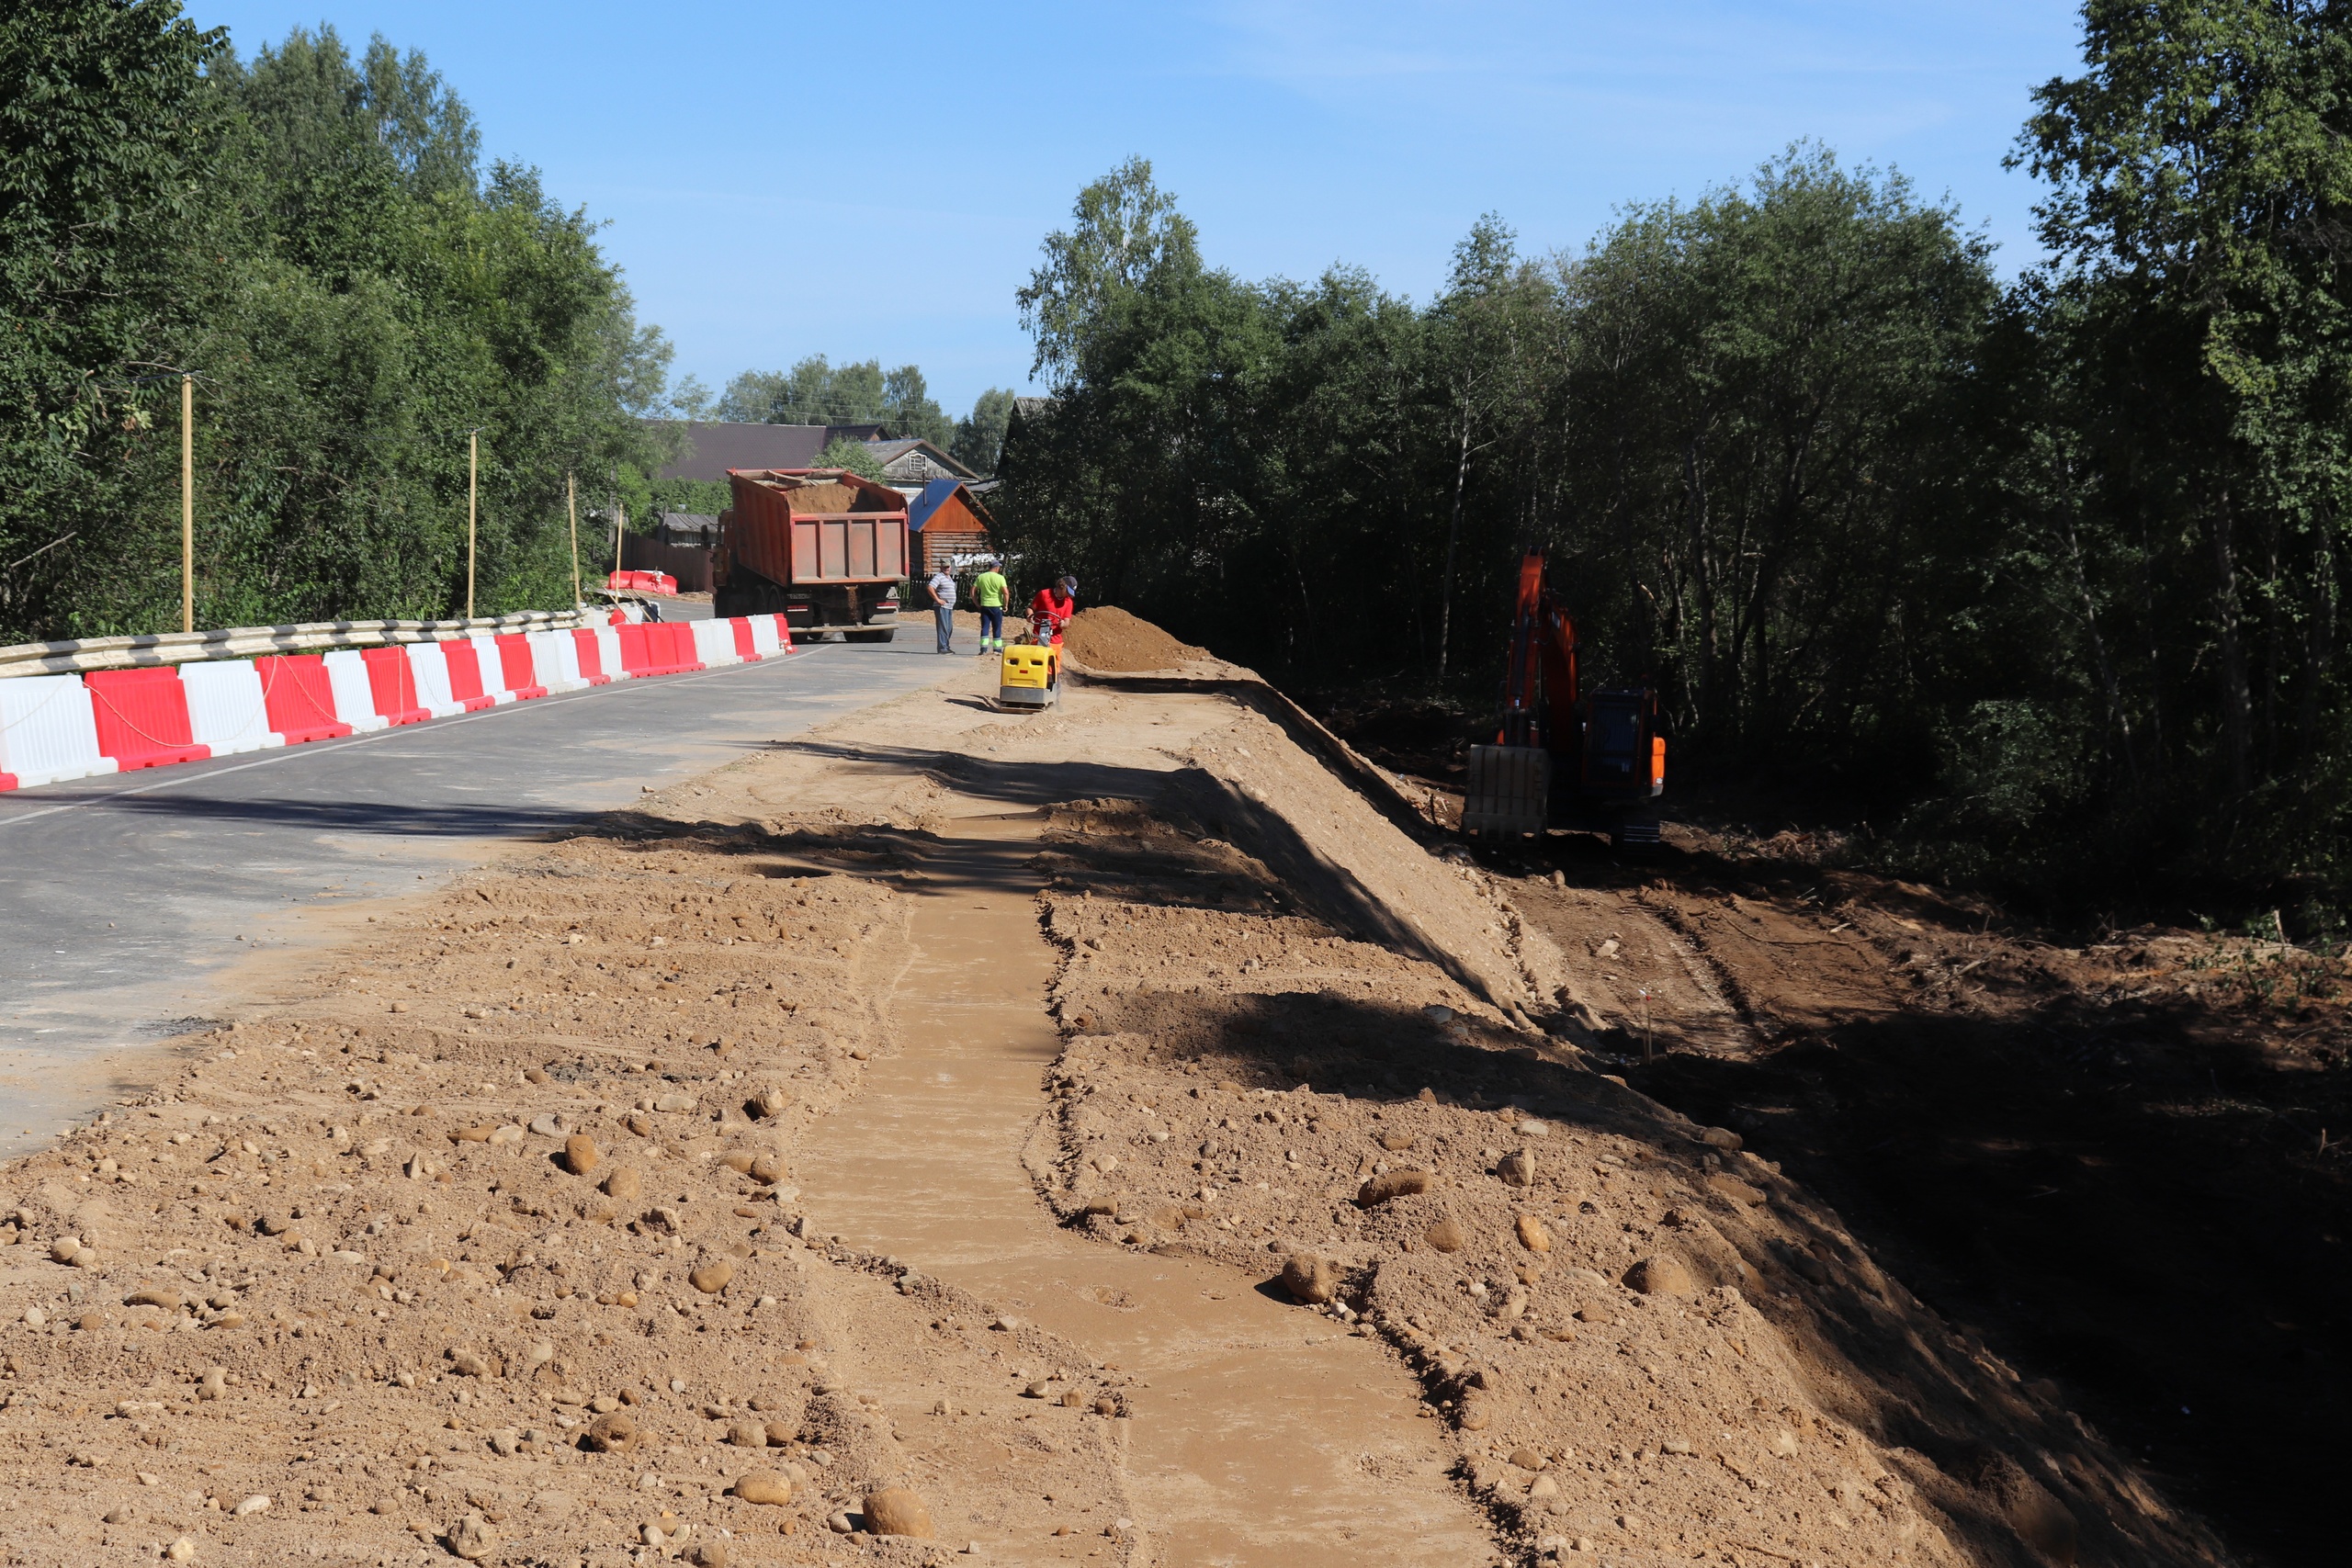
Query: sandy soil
1312,1144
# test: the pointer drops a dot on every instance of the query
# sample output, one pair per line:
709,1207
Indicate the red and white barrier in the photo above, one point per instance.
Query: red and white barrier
48,732
714,642
141,716
354,697
227,710
436,692
300,693
555,660
55,727
518,670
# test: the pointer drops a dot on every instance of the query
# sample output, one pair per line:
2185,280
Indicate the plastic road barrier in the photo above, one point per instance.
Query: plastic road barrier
746,648
555,660
463,662
435,691
517,666
596,652
47,731
784,630
492,667
355,694
226,712
392,682
300,696
761,631
658,648
714,642
141,716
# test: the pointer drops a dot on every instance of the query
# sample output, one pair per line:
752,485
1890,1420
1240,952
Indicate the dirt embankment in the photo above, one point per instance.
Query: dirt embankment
2117,1160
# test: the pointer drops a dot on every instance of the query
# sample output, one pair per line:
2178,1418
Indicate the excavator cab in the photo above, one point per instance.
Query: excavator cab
1563,758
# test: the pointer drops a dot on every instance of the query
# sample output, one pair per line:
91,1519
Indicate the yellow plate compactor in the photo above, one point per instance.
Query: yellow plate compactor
1030,677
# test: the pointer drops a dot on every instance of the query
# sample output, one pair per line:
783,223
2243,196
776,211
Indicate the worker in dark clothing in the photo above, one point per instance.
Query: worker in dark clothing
1050,611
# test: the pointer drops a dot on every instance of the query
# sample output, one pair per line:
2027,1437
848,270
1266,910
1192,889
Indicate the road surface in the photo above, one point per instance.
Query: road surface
134,907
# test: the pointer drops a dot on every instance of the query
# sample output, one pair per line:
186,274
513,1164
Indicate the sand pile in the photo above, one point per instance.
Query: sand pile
1107,637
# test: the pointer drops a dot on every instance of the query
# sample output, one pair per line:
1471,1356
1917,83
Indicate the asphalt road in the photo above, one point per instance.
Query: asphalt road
131,907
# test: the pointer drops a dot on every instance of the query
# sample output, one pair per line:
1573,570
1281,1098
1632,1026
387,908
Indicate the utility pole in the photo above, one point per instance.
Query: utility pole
619,520
571,511
473,456
188,500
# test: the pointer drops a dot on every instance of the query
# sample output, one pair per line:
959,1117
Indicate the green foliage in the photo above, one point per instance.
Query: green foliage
105,135
816,391
2051,575
840,452
980,435
312,237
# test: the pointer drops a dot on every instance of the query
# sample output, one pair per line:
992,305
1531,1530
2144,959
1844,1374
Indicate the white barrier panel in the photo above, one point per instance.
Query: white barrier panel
715,643
47,731
354,699
431,667
492,667
764,638
555,656
608,653
226,709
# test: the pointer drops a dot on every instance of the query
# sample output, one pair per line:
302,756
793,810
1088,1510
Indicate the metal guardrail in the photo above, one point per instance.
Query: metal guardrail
249,642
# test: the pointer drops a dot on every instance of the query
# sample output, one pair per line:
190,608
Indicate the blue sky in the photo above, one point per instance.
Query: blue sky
782,179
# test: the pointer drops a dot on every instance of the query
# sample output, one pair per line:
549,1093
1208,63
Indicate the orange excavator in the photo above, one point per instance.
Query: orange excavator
1564,757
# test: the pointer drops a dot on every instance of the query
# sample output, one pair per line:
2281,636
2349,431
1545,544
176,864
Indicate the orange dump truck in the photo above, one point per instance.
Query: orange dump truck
824,548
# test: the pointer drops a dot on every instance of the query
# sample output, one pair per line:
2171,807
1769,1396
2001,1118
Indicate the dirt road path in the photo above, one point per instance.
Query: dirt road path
1261,1435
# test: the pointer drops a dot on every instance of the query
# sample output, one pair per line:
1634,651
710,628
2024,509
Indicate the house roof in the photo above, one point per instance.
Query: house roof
889,452
713,447
934,496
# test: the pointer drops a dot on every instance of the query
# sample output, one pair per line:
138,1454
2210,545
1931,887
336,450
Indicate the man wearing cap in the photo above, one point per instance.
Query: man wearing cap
989,592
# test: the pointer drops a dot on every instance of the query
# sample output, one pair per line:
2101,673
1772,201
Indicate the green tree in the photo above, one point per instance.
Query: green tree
105,135
2196,301
840,452
979,439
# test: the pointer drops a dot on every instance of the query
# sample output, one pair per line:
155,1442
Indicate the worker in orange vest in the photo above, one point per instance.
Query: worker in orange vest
1050,611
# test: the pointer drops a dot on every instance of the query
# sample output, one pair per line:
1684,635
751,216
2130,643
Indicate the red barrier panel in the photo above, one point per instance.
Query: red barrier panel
392,684
658,648
636,657
591,655
642,581
743,644
299,698
465,676
142,717
8,782
784,633
517,671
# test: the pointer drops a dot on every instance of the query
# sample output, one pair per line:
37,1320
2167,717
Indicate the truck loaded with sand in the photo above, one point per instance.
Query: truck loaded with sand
1130,1134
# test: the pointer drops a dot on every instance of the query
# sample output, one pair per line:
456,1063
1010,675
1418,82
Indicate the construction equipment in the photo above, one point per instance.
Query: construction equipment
1029,676
824,548
1563,758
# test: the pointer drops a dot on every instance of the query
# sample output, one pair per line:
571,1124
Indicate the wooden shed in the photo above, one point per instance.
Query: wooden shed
951,527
